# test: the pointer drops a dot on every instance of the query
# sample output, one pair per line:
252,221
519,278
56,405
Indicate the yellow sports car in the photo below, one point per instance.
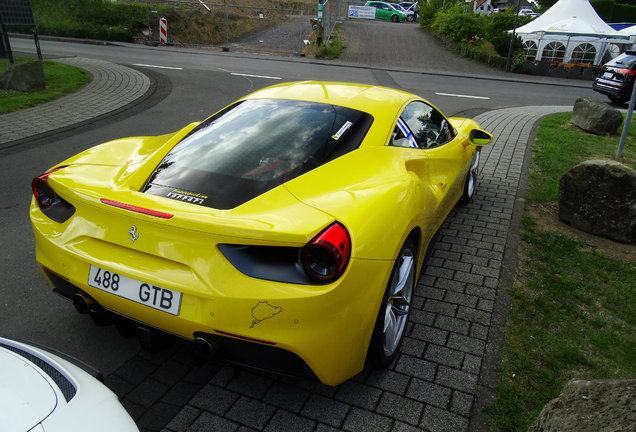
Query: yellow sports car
285,232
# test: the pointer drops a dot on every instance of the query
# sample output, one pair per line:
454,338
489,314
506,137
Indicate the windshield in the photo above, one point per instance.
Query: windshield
254,146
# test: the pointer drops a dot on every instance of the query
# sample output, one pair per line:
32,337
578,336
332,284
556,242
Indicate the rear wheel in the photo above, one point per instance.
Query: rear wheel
470,185
617,100
395,18
393,315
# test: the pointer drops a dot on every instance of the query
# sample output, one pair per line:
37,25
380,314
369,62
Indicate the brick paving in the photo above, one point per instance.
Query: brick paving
448,361
112,87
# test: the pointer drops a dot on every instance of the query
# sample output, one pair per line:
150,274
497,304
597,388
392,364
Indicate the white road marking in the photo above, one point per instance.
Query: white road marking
256,76
157,66
462,96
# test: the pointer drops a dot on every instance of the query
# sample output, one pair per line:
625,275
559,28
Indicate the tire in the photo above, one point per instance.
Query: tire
395,18
390,324
617,100
470,185
409,18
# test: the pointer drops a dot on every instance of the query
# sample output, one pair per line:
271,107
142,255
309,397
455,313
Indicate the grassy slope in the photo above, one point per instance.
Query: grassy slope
572,313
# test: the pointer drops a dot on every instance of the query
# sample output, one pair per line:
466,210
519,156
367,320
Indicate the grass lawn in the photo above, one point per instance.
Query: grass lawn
60,80
558,147
573,313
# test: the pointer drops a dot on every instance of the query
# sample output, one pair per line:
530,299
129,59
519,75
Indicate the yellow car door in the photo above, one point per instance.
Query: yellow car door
424,127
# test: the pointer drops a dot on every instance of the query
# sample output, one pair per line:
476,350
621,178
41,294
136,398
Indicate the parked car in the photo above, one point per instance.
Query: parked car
287,231
41,391
411,6
410,15
525,11
616,78
386,11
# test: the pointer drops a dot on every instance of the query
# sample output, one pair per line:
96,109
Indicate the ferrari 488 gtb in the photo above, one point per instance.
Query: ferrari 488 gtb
287,231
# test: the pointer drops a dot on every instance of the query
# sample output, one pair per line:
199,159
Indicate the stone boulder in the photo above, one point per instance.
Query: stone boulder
590,406
599,197
23,77
596,117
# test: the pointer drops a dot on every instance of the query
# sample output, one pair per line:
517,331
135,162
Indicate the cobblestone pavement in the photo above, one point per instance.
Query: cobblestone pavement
448,362
112,86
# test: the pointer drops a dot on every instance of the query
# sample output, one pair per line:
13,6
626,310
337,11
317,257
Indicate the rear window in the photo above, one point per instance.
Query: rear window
254,146
625,60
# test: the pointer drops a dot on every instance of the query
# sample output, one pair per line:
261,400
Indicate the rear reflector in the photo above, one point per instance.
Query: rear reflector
136,209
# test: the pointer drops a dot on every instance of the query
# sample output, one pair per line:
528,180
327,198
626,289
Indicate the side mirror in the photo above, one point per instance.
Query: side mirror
479,137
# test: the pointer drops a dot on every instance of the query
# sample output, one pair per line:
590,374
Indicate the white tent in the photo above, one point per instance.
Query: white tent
570,17
628,31
570,32
631,32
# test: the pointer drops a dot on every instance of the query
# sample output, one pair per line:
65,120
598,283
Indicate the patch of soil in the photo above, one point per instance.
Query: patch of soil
546,217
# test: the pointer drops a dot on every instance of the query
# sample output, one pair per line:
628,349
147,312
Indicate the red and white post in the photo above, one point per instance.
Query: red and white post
163,30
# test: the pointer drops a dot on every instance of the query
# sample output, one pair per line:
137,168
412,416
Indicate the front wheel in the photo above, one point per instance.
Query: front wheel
393,315
395,18
470,186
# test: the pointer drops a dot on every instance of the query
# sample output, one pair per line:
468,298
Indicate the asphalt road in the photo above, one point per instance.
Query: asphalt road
197,83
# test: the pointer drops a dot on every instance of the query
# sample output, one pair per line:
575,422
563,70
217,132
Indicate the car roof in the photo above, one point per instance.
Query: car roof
362,97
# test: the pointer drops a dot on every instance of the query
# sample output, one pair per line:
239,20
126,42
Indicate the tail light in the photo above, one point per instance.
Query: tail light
326,257
43,193
49,201
627,72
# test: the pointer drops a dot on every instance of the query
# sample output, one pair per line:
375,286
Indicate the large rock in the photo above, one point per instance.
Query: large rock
23,77
590,406
596,117
599,197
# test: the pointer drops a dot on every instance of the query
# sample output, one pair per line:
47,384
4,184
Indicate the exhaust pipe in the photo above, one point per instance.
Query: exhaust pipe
82,303
204,348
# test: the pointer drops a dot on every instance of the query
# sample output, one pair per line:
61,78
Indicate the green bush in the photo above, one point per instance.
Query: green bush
480,53
480,37
457,25
428,9
497,27
92,19
330,50
501,42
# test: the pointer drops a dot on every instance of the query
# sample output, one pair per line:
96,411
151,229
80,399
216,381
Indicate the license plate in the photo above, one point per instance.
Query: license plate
163,299
608,75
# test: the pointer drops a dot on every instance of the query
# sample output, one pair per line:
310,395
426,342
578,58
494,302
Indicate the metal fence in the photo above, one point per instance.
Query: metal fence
334,12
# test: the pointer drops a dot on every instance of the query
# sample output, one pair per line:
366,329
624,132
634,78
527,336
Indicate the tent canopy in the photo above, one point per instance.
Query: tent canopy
628,31
576,17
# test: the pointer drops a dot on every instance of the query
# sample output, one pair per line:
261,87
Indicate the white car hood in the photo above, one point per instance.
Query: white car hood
26,398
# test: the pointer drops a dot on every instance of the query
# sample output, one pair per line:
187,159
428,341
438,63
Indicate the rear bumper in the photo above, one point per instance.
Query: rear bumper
609,88
325,329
